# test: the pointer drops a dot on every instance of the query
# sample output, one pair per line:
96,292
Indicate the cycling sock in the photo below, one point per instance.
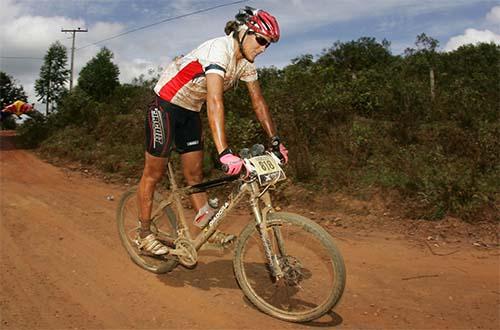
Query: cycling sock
145,229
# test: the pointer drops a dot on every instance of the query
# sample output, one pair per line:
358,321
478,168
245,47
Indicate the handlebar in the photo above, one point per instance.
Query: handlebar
255,150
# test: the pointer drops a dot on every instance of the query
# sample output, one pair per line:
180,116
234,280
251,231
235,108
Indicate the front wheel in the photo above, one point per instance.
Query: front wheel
163,224
313,269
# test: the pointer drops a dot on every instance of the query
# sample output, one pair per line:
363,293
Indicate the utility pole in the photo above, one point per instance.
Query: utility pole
48,91
72,54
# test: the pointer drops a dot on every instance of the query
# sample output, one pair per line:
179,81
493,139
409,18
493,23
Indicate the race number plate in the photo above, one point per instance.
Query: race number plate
267,169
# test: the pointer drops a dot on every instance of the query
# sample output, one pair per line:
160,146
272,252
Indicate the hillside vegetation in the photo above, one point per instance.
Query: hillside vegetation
423,126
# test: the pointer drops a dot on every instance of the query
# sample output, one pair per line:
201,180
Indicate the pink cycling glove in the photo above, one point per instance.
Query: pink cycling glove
231,164
279,149
284,152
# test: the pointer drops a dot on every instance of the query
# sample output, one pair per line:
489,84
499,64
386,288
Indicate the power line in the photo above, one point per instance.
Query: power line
134,30
163,21
21,58
25,57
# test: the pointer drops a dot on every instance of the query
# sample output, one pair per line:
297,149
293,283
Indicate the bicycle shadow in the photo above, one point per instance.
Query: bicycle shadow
330,319
206,276
219,274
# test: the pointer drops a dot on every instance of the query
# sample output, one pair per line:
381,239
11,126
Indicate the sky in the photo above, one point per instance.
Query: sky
29,27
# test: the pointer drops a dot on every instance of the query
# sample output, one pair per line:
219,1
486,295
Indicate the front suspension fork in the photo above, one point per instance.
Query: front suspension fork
261,220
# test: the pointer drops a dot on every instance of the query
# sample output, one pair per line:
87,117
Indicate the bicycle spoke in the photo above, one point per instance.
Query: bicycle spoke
162,226
309,274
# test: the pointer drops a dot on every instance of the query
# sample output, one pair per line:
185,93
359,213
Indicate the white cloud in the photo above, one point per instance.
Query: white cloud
28,27
472,36
493,16
135,68
475,36
30,36
9,10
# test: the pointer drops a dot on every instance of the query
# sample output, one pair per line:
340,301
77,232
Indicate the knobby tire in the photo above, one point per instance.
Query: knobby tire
123,218
333,264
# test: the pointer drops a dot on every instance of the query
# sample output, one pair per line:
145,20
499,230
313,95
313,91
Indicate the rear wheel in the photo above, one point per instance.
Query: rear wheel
314,272
164,225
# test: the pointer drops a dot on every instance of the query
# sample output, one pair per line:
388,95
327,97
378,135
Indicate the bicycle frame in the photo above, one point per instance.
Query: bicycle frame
250,188
286,264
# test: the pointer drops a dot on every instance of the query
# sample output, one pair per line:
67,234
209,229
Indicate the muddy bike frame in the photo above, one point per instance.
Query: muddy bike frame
249,187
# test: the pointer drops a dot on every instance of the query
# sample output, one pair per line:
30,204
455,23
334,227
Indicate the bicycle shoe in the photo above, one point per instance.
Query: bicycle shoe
151,244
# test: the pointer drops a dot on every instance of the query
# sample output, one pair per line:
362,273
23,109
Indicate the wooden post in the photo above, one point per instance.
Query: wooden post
433,86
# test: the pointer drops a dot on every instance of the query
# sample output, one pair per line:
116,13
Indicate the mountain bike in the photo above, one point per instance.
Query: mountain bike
287,265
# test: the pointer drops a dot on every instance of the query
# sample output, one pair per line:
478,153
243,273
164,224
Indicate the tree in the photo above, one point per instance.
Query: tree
51,85
99,77
426,54
9,92
354,56
472,82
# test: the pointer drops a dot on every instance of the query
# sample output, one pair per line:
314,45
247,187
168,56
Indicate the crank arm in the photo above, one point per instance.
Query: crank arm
178,253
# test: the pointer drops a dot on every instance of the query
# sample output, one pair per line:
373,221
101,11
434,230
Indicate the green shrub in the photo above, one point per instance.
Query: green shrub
354,119
33,131
8,123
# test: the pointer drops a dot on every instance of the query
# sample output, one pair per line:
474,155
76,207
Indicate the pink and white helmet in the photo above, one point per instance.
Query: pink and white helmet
260,21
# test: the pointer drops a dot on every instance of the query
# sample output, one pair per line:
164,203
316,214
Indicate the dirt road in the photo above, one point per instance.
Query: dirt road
62,267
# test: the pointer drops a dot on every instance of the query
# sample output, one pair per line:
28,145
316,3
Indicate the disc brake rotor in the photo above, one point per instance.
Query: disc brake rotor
292,270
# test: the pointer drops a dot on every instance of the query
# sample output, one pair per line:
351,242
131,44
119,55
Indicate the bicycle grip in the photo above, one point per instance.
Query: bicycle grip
225,169
280,157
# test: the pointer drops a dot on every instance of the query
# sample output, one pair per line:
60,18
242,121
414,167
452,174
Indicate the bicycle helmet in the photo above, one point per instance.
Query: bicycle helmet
259,21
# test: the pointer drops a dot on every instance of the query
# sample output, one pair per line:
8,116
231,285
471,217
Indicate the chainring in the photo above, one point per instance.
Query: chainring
187,254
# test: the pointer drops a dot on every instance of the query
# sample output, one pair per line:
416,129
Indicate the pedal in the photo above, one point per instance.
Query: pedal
218,246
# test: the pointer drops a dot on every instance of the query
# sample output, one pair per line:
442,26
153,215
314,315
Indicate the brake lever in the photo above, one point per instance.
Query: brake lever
278,160
249,168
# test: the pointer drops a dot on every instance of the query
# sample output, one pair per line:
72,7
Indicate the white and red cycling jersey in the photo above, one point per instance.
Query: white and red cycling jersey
183,82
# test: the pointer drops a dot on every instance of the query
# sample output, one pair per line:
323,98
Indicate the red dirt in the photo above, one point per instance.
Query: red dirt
62,265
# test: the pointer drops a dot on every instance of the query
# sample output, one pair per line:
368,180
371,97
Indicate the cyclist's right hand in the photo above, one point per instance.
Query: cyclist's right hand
279,149
231,164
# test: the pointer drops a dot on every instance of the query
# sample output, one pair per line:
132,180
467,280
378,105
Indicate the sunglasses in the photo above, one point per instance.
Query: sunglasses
262,41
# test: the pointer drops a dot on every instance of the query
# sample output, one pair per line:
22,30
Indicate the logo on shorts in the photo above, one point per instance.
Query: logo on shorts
157,127
193,143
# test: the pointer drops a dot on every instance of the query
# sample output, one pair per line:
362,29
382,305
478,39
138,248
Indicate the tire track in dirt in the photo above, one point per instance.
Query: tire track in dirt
65,256
62,267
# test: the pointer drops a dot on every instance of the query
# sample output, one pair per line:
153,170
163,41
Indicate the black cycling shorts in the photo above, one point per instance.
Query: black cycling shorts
169,126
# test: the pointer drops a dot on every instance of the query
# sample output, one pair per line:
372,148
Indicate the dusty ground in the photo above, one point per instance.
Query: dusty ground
62,265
